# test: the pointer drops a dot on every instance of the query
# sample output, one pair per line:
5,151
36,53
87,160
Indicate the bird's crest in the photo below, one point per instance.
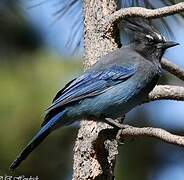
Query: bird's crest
142,29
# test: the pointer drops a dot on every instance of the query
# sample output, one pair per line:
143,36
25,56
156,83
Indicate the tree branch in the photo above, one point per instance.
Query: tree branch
160,92
168,92
172,68
139,12
158,133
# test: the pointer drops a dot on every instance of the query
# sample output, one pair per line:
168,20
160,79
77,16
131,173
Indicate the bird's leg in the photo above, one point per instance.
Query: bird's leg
116,123
120,119
118,135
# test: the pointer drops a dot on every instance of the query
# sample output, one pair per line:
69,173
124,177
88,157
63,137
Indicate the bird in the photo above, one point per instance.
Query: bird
114,85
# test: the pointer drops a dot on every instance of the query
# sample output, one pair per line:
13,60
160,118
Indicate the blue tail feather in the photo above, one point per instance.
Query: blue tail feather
37,139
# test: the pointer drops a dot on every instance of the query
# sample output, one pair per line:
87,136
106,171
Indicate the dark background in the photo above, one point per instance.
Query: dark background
40,50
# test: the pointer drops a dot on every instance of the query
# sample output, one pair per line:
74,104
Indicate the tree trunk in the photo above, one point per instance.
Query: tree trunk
94,151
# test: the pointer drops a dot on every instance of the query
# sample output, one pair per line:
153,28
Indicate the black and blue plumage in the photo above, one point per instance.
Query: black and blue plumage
113,86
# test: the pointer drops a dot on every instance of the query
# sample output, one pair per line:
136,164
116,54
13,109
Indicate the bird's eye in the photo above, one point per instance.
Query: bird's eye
150,38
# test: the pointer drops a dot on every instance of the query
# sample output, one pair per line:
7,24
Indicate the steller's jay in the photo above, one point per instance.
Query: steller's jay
113,86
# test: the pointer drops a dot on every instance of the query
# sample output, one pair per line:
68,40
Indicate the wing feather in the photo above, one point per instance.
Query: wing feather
92,84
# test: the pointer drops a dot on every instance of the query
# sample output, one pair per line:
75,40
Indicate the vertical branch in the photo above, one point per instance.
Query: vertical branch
94,155
95,44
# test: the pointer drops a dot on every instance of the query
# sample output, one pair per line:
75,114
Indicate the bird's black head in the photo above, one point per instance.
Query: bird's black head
146,40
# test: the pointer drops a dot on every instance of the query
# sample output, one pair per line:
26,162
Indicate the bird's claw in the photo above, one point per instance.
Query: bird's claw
118,138
117,123
120,119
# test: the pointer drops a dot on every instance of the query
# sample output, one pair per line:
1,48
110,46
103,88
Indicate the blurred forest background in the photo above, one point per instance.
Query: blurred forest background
38,55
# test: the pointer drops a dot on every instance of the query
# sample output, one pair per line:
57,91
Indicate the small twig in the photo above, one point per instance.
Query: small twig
168,92
139,12
173,68
158,133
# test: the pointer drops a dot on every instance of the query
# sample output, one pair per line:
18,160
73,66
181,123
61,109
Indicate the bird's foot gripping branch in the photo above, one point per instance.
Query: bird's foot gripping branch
125,131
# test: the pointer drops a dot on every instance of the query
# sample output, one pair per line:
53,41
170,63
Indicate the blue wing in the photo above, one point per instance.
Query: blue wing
91,84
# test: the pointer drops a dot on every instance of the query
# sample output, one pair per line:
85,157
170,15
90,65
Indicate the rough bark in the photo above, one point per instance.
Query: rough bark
166,92
94,157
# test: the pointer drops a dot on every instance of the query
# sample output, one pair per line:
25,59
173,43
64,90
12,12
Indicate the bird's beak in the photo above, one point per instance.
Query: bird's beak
169,44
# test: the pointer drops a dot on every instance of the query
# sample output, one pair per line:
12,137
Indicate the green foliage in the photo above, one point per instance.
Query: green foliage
27,87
